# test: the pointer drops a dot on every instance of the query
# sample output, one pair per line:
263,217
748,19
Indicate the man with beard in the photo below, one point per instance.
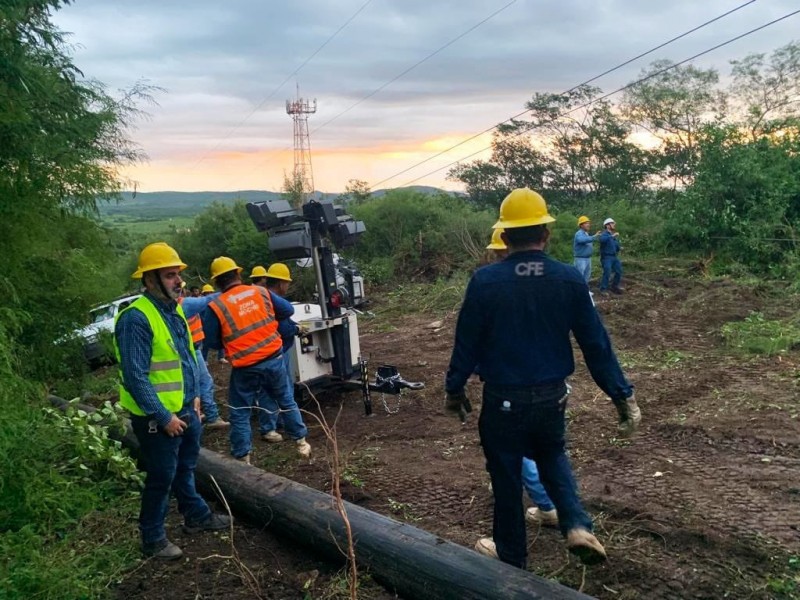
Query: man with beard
160,388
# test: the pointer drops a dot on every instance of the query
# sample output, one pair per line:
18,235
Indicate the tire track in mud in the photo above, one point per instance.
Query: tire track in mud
692,484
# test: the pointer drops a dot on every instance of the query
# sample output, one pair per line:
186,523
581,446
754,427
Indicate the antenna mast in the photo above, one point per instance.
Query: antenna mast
303,175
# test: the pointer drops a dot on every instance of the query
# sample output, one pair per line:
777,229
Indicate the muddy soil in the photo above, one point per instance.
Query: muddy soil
704,502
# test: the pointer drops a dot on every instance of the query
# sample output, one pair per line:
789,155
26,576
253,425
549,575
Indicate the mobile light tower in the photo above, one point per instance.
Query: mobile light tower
302,175
329,354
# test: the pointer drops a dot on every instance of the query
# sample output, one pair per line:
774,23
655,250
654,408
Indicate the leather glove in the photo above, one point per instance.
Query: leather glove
459,404
303,329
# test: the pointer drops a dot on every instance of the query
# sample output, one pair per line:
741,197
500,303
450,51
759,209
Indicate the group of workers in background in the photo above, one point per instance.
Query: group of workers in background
583,248
160,341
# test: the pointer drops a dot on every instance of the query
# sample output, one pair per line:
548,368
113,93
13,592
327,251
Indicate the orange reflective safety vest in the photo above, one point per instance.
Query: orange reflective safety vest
195,326
248,325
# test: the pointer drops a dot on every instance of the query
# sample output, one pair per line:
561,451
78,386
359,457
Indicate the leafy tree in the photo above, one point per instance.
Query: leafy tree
293,189
767,90
357,191
62,138
573,145
589,148
744,202
411,235
221,230
674,105
514,163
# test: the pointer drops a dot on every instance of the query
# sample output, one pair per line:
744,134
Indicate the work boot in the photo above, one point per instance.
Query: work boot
617,290
164,550
629,415
215,522
272,437
585,546
487,547
547,518
220,423
303,447
245,459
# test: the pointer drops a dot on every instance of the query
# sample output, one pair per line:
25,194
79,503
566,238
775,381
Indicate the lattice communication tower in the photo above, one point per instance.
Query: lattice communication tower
299,109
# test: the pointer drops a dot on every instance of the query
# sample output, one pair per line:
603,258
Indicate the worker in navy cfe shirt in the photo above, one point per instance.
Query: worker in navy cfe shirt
515,323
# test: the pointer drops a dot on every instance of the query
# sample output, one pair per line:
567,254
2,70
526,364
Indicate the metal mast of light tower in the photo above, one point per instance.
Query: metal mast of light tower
303,175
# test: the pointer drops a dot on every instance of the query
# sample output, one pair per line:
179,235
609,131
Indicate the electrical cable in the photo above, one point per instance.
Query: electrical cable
408,70
595,78
418,63
623,88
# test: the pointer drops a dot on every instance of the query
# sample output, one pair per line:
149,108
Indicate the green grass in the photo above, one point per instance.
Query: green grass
759,335
145,227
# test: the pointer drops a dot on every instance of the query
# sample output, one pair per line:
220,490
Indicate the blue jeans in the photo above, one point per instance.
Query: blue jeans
534,487
527,422
584,266
251,386
206,388
271,418
169,464
611,264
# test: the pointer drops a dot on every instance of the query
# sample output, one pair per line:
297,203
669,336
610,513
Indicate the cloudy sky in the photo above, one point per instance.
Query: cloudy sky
227,69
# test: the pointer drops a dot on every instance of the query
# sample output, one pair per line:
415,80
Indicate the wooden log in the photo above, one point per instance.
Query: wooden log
407,560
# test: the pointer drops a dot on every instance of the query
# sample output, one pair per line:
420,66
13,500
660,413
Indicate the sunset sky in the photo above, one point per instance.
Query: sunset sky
227,69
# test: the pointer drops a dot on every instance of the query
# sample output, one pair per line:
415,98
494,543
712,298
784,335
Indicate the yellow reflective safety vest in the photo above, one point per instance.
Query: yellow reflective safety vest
165,361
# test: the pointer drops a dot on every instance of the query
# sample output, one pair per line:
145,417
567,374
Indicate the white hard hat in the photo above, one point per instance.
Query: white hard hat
608,220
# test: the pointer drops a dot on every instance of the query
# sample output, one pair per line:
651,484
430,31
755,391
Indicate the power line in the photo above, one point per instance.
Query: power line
418,63
282,83
572,89
409,69
623,88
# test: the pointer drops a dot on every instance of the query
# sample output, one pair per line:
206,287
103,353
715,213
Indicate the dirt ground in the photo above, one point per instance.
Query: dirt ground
704,502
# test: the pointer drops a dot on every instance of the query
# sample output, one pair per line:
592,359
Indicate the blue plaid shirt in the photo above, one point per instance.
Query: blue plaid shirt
135,342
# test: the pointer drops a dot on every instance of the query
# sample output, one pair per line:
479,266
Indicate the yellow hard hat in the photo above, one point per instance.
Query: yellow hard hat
523,208
583,219
497,242
279,271
223,264
157,256
207,288
258,271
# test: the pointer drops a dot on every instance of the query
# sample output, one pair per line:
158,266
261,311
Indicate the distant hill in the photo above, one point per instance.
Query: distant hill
164,205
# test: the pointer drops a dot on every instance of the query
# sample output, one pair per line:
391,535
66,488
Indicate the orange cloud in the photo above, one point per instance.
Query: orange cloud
333,167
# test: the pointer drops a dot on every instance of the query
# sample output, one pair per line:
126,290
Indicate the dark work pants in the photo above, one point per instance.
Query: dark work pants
517,422
169,464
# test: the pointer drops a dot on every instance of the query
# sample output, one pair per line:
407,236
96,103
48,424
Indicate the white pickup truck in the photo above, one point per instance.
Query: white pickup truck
101,320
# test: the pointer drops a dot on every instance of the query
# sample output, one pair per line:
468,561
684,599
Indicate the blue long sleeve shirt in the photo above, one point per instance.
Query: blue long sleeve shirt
516,321
135,341
212,328
287,328
196,306
609,245
582,244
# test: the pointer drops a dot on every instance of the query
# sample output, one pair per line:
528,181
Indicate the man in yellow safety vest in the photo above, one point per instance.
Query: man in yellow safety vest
160,388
